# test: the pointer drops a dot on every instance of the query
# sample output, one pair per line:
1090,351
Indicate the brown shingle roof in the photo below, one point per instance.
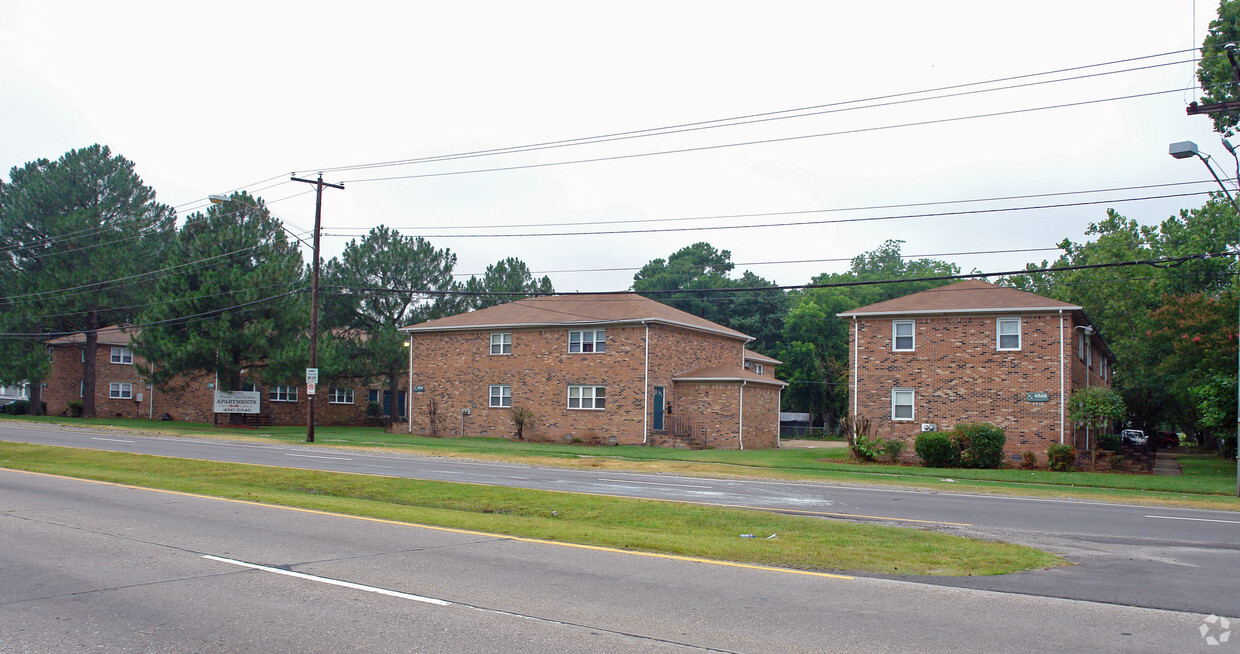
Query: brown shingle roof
725,373
577,309
114,335
969,296
750,355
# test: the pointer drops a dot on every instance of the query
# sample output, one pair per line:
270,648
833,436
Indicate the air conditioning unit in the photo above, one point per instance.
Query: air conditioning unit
929,426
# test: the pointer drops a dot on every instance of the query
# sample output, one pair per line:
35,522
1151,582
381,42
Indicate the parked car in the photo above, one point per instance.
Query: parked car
1133,437
1160,439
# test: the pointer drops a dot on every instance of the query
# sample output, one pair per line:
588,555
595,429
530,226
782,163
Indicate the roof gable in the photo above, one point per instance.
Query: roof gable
969,296
575,309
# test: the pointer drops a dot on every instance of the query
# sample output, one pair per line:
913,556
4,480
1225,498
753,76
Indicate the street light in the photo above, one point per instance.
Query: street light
1088,330
1185,150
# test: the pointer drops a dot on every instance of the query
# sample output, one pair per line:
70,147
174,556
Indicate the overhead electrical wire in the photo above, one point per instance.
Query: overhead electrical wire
763,116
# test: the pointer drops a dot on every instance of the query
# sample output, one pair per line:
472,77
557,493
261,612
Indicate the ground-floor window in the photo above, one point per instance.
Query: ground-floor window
120,390
283,393
340,396
501,396
587,397
902,404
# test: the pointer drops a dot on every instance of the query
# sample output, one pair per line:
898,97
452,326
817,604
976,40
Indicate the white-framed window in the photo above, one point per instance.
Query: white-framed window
340,396
501,396
902,336
83,353
1080,347
120,390
902,404
588,341
587,397
501,343
757,368
122,355
81,389
1008,333
283,393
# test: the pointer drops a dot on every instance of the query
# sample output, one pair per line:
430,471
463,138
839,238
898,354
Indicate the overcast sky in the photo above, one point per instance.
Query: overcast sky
210,97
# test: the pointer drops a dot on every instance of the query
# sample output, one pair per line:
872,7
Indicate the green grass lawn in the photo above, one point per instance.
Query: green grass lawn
1208,484
643,525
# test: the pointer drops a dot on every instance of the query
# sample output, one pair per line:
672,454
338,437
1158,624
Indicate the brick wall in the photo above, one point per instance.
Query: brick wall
456,371
957,374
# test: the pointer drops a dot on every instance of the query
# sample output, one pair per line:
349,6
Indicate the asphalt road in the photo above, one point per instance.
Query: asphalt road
1175,559
92,566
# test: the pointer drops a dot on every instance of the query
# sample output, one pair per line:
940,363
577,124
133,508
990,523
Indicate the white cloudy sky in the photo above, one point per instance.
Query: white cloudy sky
209,97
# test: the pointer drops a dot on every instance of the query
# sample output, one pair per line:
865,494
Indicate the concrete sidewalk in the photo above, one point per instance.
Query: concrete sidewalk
1165,463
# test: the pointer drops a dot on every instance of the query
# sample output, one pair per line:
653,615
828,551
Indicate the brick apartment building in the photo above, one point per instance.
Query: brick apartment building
974,352
594,368
121,392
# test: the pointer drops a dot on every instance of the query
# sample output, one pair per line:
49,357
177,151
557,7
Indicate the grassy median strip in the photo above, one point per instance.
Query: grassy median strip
644,525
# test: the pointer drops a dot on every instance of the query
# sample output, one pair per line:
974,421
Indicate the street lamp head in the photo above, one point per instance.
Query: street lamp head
217,199
1183,149
1230,148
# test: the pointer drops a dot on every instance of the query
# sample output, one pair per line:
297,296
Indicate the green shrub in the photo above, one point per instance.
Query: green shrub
20,408
75,409
936,450
893,449
863,447
1109,442
373,410
1061,458
1028,460
980,444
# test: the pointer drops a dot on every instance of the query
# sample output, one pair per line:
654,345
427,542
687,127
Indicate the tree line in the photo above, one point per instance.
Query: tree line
84,244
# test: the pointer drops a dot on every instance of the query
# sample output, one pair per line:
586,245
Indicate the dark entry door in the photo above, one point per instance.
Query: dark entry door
658,408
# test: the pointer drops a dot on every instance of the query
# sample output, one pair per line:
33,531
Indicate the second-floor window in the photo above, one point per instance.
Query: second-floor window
283,393
588,341
1009,333
902,335
122,355
501,343
120,390
757,368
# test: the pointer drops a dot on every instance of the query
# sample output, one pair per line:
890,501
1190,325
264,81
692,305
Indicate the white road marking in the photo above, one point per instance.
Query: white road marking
333,582
316,456
653,483
1172,517
114,440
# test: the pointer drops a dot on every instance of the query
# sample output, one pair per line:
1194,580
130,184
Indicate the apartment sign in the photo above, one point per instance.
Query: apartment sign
1037,397
237,401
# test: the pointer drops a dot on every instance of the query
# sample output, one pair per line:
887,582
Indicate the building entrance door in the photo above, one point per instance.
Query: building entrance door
658,408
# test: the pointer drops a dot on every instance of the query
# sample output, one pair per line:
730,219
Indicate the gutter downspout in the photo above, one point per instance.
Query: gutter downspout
740,435
1062,400
856,363
409,389
646,389
779,402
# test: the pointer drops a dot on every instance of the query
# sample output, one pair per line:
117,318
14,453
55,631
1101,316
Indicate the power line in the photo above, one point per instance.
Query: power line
783,139
805,223
769,115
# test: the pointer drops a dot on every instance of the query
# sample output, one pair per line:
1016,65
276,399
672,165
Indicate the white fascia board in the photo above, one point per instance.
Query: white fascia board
940,312
749,380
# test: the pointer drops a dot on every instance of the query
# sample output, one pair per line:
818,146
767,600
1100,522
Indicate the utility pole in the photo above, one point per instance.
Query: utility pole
314,298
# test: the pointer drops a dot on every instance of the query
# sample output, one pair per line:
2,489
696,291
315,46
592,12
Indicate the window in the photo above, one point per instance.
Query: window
282,393
902,404
902,335
1080,348
81,389
501,343
587,397
1009,333
120,390
757,368
588,341
501,396
340,396
122,355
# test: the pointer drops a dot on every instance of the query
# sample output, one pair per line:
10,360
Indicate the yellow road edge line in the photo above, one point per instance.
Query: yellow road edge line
453,530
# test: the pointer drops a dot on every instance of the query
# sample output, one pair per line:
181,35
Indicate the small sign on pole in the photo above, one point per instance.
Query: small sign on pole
312,375
310,388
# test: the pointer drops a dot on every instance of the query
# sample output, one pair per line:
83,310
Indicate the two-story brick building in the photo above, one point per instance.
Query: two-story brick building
121,392
974,352
595,368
